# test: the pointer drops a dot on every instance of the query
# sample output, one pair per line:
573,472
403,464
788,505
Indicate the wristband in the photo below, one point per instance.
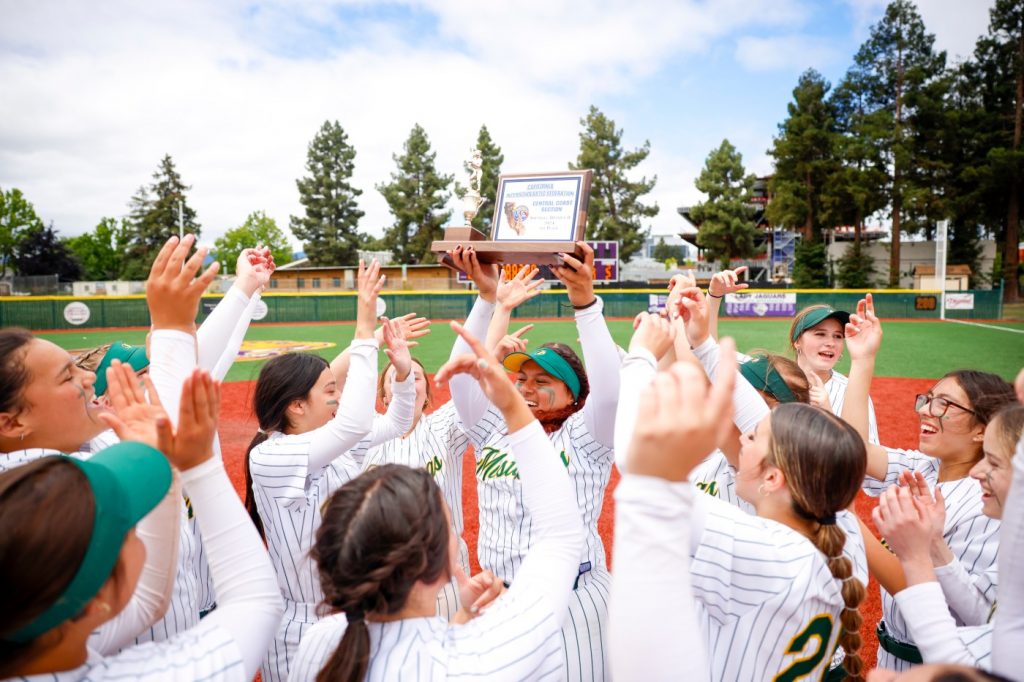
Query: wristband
584,307
712,295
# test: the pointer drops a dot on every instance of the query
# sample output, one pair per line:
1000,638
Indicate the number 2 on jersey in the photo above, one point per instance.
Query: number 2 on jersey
820,627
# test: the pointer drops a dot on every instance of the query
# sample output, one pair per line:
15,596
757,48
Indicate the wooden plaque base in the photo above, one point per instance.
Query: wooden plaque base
515,253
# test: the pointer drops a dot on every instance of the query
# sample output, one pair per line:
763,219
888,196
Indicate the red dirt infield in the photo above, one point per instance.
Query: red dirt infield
893,399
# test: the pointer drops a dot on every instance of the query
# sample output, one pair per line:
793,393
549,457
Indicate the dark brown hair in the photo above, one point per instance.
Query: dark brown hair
382,532
284,379
987,393
790,372
384,373
14,375
824,461
46,513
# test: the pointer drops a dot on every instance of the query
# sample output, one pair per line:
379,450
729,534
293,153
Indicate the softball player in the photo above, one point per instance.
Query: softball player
75,569
1008,635
780,576
578,412
303,454
905,518
435,443
62,418
953,416
386,548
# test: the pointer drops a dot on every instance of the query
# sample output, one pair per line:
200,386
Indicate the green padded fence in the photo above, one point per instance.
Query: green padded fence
49,312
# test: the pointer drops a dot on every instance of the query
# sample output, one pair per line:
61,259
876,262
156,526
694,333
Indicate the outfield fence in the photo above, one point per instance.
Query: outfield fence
67,312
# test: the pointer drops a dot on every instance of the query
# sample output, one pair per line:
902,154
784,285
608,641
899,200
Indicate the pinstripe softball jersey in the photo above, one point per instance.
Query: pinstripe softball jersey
972,537
935,631
836,389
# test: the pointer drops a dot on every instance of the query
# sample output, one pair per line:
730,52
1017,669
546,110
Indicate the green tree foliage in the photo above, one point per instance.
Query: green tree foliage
490,169
856,268
663,252
810,265
725,221
615,211
257,229
17,218
154,218
893,70
41,252
416,195
101,252
329,229
806,161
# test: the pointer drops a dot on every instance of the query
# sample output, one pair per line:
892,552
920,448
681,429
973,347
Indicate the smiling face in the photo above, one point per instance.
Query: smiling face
994,471
820,347
542,392
955,433
59,411
318,407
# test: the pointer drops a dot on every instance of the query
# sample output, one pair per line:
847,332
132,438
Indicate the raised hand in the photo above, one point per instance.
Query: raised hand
138,415
683,419
903,523
397,349
476,593
693,307
369,283
254,268
511,293
818,394
577,276
864,331
485,277
493,378
653,333
411,326
173,287
191,443
727,282
932,506
676,286
512,343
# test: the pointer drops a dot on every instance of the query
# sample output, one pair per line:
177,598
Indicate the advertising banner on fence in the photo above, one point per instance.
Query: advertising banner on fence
960,301
760,305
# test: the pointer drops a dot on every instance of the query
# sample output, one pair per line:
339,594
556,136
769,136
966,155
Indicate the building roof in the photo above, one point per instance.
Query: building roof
951,270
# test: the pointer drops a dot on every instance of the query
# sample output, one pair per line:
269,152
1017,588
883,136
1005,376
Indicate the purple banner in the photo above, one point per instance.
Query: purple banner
761,305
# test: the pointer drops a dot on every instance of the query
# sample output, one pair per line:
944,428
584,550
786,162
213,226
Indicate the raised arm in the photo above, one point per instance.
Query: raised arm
600,354
470,402
552,563
652,605
397,421
863,341
722,283
1008,636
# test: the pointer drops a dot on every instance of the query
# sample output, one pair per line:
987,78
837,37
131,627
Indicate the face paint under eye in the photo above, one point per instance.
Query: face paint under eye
332,403
549,392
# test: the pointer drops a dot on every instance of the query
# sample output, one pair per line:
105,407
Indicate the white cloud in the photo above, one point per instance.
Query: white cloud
786,53
956,24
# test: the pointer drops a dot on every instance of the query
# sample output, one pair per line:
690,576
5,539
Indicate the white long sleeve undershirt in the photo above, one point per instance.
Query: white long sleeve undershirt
1008,635
749,408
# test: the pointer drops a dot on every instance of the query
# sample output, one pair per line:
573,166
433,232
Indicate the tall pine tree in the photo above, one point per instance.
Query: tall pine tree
492,158
416,195
330,227
725,221
893,68
616,209
153,218
805,161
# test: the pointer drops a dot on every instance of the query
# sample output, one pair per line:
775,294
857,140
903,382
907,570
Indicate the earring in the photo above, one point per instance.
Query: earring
22,436
105,606
761,492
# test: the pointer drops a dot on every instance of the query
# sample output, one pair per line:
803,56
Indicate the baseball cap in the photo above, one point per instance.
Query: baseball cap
763,376
127,480
128,355
551,362
816,317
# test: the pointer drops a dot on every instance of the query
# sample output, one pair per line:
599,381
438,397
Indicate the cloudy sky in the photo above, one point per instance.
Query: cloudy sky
92,95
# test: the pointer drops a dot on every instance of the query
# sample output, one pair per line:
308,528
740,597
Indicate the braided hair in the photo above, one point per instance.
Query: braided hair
824,461
382,532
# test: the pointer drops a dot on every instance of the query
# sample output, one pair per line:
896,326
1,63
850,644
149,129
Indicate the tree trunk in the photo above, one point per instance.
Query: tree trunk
808,229
1011,253
897,197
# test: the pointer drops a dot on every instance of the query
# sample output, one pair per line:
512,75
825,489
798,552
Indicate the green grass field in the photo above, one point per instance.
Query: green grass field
911,349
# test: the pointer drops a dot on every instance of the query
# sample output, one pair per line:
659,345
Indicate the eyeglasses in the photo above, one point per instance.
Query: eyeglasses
937,407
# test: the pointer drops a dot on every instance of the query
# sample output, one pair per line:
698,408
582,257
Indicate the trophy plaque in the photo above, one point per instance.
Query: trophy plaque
536,217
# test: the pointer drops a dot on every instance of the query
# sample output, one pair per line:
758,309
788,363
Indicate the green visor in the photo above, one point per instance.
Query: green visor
762,376
127,481
816,317
549,361
129,355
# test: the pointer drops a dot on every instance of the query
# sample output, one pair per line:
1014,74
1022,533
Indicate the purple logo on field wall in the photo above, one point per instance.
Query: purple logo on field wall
761,305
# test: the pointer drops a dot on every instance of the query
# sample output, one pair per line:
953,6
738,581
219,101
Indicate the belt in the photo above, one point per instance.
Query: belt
901,650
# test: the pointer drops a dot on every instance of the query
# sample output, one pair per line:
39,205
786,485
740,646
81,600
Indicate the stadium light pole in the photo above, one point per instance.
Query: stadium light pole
942,231
181,220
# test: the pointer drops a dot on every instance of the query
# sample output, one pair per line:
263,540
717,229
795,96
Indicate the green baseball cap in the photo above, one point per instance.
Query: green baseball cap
551,362
816,317
764,377
127,480
128,355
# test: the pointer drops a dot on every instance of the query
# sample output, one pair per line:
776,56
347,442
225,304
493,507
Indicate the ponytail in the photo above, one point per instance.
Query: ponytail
352,657
830,540
283,380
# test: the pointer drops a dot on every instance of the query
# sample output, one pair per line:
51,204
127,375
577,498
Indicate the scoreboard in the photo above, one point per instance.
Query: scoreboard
606,265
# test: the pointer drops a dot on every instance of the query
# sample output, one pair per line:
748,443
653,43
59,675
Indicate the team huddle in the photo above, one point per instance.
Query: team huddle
127,553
